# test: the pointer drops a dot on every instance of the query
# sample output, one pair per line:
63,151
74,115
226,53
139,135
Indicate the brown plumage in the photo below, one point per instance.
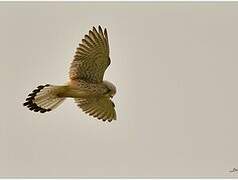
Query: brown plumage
91,93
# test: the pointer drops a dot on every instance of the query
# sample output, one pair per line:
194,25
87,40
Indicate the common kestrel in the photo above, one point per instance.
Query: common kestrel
86,85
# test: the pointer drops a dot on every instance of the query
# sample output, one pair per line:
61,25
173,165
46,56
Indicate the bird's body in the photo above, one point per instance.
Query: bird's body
82,89
91,93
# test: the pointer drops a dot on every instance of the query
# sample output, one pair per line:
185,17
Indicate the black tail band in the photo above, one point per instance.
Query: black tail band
33,106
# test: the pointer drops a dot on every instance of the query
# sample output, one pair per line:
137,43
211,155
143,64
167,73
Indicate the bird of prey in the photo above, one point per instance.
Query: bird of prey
86,85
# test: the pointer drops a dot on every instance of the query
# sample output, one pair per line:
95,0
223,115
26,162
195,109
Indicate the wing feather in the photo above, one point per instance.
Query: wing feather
101,108
91,58
87,43
90,40
106,37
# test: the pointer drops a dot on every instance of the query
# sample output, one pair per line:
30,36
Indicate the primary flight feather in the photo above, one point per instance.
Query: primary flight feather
91,93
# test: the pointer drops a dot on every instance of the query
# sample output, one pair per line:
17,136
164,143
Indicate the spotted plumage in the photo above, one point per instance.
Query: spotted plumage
86,85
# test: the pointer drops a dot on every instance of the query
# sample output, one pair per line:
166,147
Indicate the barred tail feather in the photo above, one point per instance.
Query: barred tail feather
44,98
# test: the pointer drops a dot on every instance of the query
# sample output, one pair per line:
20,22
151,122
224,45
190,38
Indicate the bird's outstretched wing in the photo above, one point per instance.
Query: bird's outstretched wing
92,57
101,107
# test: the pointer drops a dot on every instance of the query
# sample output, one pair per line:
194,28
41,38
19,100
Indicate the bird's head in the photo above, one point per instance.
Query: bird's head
112,89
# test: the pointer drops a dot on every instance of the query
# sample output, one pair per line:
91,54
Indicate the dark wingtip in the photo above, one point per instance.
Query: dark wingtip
94,29
113,104
100,28
90,32
105,31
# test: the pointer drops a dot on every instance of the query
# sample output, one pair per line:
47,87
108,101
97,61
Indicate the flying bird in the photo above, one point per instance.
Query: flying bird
86,85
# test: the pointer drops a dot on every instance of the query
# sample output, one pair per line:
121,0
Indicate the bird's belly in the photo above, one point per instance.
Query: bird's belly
83,90
77,93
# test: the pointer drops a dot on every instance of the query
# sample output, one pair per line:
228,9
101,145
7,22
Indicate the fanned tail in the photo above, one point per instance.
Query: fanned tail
44,98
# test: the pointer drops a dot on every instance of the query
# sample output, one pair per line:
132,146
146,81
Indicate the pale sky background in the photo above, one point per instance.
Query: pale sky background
175,68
